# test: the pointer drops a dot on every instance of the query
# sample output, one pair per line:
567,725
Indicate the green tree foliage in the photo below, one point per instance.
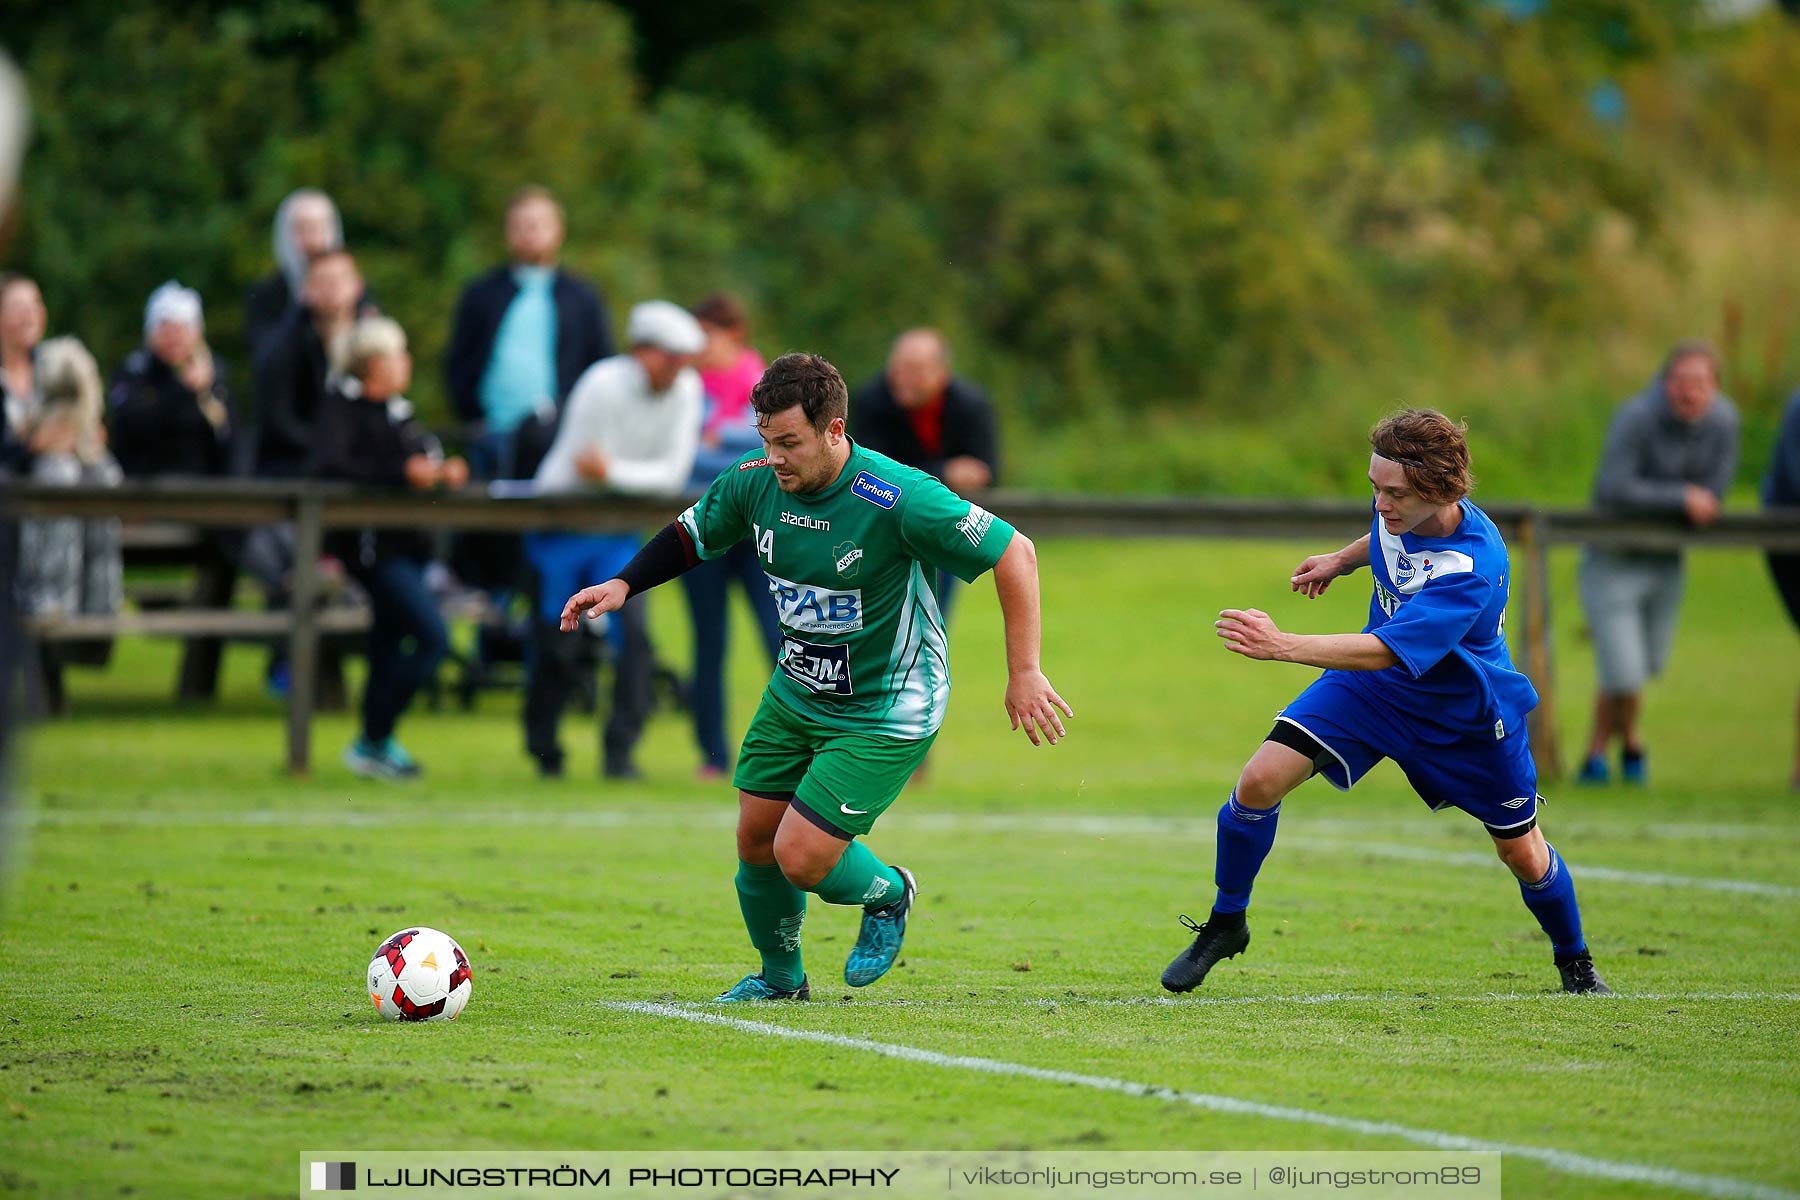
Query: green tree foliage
1206,208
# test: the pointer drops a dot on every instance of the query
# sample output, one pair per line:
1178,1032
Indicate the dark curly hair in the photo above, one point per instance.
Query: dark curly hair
803,379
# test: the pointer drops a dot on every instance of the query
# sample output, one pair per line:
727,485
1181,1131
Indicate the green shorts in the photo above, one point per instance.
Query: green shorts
839,781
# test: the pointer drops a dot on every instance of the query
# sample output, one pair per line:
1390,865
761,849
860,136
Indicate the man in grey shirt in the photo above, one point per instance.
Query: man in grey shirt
1672,448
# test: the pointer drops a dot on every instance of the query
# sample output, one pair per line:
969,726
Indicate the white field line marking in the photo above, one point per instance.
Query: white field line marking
951,823
1323,998
1559,1160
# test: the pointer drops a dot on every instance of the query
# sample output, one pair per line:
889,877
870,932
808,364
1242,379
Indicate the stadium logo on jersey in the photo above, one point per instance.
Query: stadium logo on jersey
804,521
849,557
976,524
752,464
817,668
878,492
808,609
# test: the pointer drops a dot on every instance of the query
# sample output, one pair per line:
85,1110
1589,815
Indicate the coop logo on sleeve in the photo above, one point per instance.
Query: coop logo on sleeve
878,492
334,1177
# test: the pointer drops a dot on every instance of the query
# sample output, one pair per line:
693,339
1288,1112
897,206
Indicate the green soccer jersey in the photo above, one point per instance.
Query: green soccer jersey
862,645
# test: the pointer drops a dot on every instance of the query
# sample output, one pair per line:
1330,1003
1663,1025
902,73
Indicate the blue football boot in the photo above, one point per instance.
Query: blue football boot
755,987
878,943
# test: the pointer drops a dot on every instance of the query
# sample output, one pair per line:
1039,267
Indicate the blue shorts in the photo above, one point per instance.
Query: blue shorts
1493,780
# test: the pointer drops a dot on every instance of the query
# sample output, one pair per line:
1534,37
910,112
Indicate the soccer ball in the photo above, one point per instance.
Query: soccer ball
420,975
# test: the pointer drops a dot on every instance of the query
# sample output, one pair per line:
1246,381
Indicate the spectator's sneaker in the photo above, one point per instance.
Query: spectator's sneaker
755,987
1593,771
1579,976
621,769
1633,768
1213,943
381,760
878,943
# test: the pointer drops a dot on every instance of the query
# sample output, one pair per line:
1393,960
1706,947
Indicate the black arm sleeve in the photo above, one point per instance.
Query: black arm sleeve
663,557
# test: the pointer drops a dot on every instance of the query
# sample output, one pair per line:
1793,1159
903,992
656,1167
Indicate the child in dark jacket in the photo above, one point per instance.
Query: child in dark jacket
367,434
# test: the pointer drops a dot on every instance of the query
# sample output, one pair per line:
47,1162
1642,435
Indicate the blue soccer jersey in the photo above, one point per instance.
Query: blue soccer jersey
1440,605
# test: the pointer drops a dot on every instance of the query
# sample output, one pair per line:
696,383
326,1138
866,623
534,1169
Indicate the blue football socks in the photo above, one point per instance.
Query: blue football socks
1552,901
1245,835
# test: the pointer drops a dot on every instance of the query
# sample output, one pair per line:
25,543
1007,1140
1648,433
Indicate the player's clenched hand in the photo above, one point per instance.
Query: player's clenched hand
1315,574
601,598
1033,703
1250,632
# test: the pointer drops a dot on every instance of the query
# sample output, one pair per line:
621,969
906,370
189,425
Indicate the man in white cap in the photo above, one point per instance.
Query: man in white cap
631,425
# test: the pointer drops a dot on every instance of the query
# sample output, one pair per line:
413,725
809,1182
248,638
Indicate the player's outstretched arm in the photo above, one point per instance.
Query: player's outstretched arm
1315,573
1030,700
591,602
1253,633
661,559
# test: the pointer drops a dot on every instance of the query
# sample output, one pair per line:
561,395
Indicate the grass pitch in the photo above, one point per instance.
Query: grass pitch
184,929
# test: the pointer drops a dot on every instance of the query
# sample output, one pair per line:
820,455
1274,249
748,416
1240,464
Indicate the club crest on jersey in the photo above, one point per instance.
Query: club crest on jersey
819,668
1403,569
878,492
752,464
808,609
849,557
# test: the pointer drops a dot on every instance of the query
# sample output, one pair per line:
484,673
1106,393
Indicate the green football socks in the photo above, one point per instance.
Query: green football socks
860,878
773,909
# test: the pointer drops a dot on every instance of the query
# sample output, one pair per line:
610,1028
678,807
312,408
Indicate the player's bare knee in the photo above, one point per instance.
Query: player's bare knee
755,845
802,867
1526,857
1261,785
800,858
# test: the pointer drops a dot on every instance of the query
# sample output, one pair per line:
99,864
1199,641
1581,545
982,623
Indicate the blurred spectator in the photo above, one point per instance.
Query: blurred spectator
1671,449
306,225
367,433
920,414
523,334
728,369
293,371
293,376
14,128
22,322
1781,489
68,566
630,426
171,410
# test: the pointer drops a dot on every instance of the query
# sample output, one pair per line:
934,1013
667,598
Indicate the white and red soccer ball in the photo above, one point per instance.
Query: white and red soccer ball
420,974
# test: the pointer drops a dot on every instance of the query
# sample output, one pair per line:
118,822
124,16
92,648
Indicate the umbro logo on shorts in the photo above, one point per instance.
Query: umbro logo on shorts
1521,802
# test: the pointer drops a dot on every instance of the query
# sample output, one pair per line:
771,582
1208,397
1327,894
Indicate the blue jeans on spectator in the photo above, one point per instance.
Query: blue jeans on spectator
406,641
491,456
709,593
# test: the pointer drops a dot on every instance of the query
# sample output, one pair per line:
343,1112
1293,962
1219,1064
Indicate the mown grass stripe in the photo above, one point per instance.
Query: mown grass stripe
1032,823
